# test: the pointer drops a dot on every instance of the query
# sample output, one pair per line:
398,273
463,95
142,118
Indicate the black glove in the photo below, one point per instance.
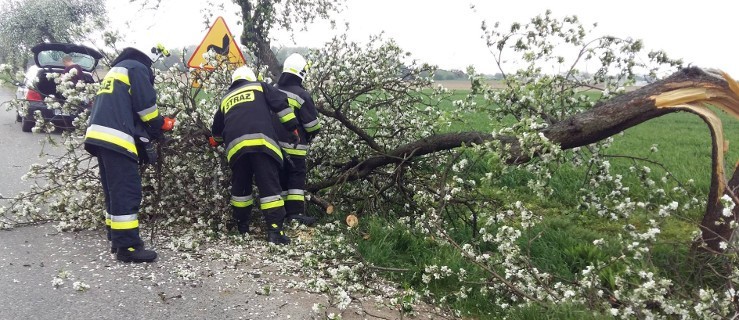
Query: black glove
311,136
146,150
294,137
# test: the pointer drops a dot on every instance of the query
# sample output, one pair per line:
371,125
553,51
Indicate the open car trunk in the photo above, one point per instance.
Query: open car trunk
49,58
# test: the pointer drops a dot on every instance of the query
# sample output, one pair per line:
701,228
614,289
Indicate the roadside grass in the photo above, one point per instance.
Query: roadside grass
562,244
559,246
389,245
555,312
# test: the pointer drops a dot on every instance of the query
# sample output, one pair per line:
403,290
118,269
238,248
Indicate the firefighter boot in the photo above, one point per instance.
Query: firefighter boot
276,235
243,218
302,219
243,227
136,254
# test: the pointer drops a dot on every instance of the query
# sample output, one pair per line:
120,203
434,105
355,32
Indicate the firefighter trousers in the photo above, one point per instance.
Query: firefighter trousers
292,179
265,172
121,182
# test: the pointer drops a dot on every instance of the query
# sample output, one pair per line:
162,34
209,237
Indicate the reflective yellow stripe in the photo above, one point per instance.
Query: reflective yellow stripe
150,115
118,76
295,197
92,133
114,140
294,149
312,126
124,225
295,152
107,222
287,117
115,73
242,204
273,204
124,222
293,103
241,201
253,143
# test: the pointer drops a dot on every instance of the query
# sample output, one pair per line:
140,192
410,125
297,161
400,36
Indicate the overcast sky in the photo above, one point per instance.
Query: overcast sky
447,33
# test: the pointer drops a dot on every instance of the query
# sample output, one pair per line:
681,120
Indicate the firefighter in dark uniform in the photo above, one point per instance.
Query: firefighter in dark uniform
243,122
124,118
294,172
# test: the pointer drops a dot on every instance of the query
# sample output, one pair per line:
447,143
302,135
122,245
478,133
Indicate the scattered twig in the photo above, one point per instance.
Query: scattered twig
325,205
388,269
373,315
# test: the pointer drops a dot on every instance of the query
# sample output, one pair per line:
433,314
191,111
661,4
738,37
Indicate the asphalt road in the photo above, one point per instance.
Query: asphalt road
46,274
17,149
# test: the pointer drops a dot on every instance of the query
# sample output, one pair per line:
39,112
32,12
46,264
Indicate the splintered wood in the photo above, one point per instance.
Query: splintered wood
696,100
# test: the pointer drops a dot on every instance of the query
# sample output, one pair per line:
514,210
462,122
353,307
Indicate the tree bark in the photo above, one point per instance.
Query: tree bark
255,36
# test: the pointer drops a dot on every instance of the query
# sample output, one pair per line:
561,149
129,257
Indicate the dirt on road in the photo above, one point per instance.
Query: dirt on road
47,274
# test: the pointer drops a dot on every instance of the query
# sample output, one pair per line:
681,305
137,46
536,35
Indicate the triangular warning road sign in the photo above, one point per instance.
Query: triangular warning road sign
220,40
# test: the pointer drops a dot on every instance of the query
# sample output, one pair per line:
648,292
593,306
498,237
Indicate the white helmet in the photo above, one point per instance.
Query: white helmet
296,65
243,73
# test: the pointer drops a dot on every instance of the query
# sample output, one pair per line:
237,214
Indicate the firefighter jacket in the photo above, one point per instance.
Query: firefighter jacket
125,110
243,122
307,116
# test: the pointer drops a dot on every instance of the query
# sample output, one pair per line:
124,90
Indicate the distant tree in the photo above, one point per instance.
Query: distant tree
25,23
442,74
458,74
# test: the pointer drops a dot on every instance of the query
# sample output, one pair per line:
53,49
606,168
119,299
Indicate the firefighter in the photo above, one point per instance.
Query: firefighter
294,172
123,121
243,123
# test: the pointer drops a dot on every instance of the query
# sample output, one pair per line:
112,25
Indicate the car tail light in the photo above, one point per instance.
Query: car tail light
33,95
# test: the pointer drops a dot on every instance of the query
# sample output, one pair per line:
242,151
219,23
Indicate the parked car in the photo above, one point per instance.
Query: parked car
48,58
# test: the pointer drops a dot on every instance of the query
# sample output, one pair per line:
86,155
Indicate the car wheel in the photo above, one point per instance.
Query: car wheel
27,125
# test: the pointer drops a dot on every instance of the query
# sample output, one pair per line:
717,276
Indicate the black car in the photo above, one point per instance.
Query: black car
48,58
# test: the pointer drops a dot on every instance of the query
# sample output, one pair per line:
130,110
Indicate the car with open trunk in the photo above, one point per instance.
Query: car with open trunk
37,88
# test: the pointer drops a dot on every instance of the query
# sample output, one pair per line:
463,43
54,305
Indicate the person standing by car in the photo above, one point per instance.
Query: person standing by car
243,122
72,68
125,116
